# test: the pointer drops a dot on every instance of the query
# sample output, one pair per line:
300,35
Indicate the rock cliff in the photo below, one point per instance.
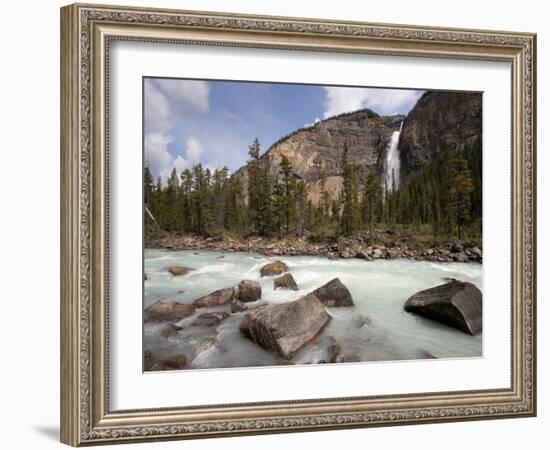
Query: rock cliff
439,121
320,147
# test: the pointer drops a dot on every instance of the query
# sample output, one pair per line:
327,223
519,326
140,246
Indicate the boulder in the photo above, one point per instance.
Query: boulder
285,281
285,328
212,319
377,253
476,251
334,293
172,363
346,253
216,298
166,309
179,270
461,257
249,291
456,303
456,247
361,254
274,268
153,366
175,362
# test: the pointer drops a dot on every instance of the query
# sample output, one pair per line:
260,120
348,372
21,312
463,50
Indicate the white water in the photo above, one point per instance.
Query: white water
393,163
376,329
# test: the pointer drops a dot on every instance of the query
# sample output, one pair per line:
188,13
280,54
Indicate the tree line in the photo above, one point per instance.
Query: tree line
445,196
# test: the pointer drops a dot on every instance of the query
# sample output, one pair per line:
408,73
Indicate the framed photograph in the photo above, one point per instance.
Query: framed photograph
279,224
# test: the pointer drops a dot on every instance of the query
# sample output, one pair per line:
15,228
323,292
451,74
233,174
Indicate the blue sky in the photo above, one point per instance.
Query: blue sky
214,122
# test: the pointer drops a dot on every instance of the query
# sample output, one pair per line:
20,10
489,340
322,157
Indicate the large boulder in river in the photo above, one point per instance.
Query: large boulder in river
334,293
179,270
287,327
285,281
166,309
249,291
274,268
216,298
456,303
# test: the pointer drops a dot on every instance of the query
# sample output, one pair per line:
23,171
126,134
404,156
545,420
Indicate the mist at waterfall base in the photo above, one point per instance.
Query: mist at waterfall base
376,329
393,162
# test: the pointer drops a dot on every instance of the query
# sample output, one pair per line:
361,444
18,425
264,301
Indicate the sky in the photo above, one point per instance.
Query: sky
214,122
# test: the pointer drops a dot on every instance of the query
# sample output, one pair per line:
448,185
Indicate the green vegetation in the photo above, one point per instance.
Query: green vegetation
440,202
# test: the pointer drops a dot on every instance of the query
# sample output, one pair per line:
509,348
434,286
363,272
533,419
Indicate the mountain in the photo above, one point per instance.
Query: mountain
439,121
321,147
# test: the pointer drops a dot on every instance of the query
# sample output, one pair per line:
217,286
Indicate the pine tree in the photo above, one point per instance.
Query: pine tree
219,193
148,186
461,189
370,201
335,210
301,207
238,205
201,199
350,220
265,209
289,191
254,184
279,209
187,187
170,197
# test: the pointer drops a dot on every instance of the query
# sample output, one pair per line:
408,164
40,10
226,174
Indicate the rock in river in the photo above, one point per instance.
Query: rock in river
274,268
456,303
165,309
212,319
285,328
334,293
175,362
285,281
216,298
179,270
249,291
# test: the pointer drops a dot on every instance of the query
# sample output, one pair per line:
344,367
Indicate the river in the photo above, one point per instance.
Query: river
375,329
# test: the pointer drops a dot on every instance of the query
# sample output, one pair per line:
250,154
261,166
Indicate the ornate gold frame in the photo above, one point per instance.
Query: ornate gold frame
86,31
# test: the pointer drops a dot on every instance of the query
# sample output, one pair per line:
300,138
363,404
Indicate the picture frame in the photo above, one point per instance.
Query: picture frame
87,32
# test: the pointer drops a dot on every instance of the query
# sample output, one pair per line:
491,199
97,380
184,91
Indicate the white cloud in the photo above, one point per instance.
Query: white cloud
193,150
383,101
163,103
181,164
156,109
191,94
157,157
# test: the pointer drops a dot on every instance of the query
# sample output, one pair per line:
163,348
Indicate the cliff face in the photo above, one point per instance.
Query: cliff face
321,146
439,121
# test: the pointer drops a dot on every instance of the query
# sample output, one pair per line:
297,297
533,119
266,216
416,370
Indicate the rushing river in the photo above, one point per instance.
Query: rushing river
376,329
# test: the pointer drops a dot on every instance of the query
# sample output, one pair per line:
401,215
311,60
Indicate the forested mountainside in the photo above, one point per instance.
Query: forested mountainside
334,179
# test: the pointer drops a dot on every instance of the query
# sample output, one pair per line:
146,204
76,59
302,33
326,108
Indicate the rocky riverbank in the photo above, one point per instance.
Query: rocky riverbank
454,251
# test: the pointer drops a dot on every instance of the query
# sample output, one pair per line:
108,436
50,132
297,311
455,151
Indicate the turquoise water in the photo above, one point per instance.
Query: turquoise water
376,329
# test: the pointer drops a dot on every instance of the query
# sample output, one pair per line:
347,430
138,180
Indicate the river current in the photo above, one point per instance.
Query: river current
376,329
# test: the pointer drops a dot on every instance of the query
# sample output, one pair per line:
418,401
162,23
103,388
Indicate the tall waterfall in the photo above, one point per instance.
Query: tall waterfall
393,163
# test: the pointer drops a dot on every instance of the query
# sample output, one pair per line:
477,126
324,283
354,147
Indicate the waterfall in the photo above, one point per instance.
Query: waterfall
393,163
